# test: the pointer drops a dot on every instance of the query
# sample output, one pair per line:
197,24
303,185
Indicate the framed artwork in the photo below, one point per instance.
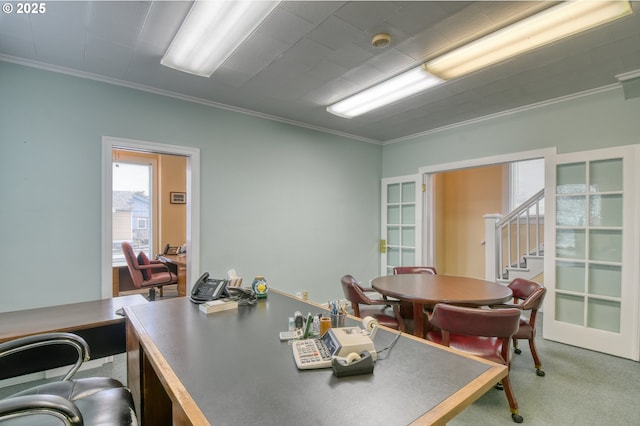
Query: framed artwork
178,197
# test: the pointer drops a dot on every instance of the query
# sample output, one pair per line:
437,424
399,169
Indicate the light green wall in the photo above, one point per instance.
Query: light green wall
298,206
596,121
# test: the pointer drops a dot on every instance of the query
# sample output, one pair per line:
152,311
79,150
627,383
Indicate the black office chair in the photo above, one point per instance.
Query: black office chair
88,401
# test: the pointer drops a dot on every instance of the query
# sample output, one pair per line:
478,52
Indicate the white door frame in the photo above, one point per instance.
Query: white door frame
110,143
428,242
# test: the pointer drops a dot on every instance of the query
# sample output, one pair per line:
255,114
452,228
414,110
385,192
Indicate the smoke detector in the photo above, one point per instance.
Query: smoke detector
381,40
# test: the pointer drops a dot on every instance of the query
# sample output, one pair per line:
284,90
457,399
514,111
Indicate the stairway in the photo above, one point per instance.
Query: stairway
530,267
514,244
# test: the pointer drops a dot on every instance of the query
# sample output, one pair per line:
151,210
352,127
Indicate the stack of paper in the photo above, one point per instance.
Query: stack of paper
234,279
218,305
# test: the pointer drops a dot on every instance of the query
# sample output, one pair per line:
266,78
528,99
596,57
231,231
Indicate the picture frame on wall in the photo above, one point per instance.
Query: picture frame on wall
178,197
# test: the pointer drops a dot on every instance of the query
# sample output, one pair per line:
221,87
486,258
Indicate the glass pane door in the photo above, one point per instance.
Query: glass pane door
590,299
399,244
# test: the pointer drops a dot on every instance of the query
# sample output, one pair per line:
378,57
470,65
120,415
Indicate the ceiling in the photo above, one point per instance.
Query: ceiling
309,54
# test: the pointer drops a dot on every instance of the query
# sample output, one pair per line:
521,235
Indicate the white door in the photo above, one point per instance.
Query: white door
592,251
401,235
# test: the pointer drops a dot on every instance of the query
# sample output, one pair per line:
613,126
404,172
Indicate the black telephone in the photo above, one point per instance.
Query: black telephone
168,249
206,289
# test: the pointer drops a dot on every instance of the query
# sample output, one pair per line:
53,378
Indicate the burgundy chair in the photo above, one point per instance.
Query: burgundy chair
406,308
386,312
414,270
527,296
147,274
485,333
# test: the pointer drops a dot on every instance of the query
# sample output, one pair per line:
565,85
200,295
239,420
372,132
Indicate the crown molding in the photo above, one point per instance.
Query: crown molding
168,93
205,102
506,113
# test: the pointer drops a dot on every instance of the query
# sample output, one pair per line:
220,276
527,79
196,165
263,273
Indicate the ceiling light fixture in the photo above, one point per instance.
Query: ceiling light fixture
550,25
401,86
381,40
211,32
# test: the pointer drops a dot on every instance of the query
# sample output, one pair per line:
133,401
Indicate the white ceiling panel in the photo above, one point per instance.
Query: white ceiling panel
310,54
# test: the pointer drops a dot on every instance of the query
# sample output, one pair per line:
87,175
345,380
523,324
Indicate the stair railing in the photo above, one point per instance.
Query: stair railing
510,238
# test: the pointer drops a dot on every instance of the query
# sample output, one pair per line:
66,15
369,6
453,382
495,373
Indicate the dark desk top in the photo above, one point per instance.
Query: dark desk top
232,366
69,317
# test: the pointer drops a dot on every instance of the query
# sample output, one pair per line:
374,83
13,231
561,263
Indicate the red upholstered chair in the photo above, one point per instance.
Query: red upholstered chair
406,309
482,332
147,274
527,296
414,270
386,312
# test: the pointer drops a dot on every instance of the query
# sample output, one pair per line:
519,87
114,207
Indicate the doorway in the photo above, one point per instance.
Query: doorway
431,226
191,202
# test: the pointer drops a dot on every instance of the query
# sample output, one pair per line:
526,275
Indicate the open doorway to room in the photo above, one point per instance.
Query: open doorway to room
457,197
150,198
149,211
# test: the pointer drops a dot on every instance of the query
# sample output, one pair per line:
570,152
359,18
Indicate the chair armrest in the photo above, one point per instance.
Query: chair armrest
506,306
384,302
52,405
154,266
47,339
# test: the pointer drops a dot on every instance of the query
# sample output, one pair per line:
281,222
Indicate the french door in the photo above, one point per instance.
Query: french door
591,259
401,218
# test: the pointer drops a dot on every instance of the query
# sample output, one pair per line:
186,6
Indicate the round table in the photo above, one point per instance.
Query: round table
424,290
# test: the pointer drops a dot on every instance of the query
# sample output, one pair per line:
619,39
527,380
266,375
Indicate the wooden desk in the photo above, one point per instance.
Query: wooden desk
179,261
428,289
96,321
188,368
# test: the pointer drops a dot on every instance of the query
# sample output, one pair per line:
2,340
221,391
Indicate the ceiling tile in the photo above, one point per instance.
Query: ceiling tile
309,54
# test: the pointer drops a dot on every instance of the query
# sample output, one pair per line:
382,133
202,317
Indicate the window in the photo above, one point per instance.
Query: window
526,179
132,207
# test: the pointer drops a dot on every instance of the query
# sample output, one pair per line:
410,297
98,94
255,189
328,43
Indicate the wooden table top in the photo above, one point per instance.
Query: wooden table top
429,289
176,259
69,317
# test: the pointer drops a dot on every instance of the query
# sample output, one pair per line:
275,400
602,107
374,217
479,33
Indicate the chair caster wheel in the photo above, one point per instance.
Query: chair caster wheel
518,351
540,372
499,386
517,418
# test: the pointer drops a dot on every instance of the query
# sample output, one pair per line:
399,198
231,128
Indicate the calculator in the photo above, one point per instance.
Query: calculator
290,335
311,353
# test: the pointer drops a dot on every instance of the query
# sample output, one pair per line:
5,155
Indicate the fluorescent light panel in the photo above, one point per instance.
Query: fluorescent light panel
211,32
401,86
543,28
550,25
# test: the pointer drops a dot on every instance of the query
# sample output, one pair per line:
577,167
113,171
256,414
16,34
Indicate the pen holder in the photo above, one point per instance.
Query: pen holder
337,320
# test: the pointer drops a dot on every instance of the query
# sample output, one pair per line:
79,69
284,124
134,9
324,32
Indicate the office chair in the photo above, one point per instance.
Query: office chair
406,308
527,296
386,312
485,333
147,274
414,270
88,401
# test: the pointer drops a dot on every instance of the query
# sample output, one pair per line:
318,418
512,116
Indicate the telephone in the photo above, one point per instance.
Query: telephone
206,289
168,249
